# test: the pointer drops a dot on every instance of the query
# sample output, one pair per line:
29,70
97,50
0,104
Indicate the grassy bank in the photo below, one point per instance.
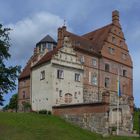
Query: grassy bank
136,121
20,126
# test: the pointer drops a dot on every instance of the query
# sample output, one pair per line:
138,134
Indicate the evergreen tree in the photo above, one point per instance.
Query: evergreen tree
8,74
13,102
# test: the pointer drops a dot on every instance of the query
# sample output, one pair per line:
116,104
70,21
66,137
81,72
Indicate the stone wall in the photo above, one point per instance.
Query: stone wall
93,116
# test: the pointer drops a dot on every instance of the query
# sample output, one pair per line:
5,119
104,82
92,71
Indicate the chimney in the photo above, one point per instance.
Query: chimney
115,18
60,36
35,51
64,28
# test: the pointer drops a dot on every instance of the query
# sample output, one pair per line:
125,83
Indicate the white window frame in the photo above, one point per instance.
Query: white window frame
60,74
82,59
94,80
60,93
77,77
42,75
107,85
111,50
89,77
75,95
94,62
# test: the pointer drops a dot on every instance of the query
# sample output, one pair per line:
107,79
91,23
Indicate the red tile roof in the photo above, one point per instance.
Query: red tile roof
80,42
92,42
98,36
26,71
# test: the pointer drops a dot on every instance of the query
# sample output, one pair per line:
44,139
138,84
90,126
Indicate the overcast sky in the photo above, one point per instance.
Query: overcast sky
31,20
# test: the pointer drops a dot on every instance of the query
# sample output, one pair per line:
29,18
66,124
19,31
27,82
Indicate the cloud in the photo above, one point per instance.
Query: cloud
28,31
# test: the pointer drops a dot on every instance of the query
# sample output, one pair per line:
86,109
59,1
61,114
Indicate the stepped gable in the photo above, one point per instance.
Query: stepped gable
47,57
48,39
80,42
26,71
98,37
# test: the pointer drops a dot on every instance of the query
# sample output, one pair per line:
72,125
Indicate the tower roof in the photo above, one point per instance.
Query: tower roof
46,39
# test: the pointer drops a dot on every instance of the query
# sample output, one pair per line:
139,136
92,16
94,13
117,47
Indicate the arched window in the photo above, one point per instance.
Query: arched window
68,98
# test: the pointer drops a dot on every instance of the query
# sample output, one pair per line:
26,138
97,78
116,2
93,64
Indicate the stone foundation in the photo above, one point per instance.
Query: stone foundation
97,117
93,116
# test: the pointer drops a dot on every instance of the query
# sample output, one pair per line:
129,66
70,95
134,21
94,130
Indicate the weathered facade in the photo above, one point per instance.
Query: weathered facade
57,81
101,58
24,87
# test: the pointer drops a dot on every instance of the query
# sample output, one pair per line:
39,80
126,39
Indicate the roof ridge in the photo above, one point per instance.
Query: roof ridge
99,29
47,38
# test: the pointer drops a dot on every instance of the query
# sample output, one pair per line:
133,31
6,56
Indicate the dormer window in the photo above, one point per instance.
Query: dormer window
49,46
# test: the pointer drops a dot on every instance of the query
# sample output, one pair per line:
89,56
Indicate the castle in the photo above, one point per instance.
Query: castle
76,78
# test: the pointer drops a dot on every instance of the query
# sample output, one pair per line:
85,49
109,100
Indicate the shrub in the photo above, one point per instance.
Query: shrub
114,128
49,112
43,112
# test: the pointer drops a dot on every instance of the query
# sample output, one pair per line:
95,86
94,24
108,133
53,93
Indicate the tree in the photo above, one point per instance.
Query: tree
8,74
13,104
6,107
27,107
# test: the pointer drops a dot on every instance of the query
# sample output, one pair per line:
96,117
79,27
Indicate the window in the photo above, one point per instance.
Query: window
43,47
23,83
107,67
89,77
42,75
124,73
75,95
60,74
111,50
40,48
82,60
60,93
114,40
94,62
77,77
49,47
68,98
124,56
23,94
121,43
94,79
56,89
106,82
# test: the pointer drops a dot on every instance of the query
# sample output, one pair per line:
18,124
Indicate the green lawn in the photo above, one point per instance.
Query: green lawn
136,121
20,126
